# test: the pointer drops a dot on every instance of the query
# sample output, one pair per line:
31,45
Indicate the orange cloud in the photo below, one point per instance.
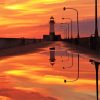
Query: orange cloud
22,16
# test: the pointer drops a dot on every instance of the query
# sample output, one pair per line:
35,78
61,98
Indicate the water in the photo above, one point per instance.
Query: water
32,77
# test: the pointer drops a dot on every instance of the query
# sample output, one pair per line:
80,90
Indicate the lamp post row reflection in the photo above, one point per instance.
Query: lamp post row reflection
52,61
94,62
78,68
72,60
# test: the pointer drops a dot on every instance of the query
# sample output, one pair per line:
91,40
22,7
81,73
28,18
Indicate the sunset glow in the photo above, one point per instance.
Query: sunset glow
26,17
49,49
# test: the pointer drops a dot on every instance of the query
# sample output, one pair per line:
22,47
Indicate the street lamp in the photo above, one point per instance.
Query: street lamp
96,19
71,26
67,30
78,35
94,40
96,26
64,35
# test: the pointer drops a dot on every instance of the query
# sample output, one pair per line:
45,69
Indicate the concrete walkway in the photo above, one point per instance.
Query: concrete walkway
24,49
82,50
38,46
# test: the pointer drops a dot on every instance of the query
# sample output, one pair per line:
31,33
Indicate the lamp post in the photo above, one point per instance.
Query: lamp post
94,40
96,19
67,30
78,35
71,26
62,29
96,26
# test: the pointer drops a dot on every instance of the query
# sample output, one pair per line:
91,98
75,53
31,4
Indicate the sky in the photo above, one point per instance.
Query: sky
30,18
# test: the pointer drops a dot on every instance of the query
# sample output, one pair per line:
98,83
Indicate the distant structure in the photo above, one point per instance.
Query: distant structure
52,36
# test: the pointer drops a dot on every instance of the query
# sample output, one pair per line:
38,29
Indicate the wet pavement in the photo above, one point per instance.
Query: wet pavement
48,75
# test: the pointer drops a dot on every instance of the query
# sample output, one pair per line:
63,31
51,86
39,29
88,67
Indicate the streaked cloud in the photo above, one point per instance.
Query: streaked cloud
16,14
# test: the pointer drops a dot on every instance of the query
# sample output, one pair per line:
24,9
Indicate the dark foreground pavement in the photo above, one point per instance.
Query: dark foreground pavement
24,49
83,50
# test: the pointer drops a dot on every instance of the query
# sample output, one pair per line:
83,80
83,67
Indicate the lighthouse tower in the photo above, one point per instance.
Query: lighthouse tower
52,29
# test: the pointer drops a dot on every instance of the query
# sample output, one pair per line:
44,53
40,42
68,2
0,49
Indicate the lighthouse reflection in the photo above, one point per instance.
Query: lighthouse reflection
52,56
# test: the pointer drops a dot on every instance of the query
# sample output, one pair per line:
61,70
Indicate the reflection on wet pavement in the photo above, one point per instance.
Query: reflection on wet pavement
45,75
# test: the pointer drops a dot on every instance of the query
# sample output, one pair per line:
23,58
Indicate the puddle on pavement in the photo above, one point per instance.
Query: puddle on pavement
44,73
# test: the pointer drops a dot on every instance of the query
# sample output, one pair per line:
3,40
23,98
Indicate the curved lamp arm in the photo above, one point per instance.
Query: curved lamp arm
77,19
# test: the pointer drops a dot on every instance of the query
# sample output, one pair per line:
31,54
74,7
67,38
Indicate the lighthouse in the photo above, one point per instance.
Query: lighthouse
52,29
51,35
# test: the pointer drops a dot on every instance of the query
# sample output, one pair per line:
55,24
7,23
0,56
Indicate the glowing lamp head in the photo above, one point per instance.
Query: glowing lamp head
52,18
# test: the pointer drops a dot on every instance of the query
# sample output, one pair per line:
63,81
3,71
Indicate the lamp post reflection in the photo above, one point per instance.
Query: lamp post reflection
77,70
71,61
52,56
96,63
96,19
67,54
